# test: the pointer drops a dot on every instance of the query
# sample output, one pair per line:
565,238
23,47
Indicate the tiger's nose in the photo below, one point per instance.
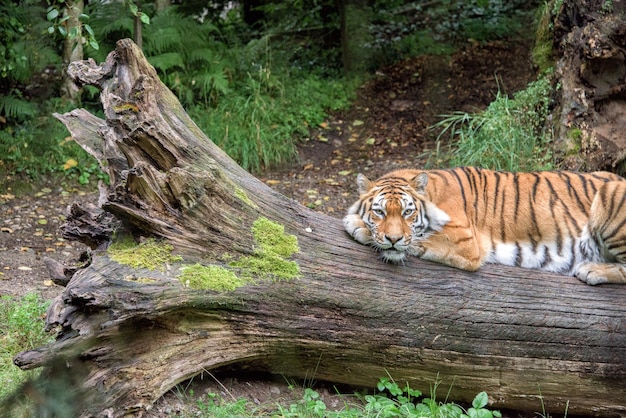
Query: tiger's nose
393,238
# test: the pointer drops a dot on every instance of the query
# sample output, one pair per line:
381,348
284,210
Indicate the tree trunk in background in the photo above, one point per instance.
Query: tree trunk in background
72,48
128,335
354,16
138,26
590,119
161,5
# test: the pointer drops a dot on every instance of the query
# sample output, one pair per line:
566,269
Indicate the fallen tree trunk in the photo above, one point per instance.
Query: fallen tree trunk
341,314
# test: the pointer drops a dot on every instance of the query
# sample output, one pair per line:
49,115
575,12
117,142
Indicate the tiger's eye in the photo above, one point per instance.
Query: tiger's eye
379,212
408,212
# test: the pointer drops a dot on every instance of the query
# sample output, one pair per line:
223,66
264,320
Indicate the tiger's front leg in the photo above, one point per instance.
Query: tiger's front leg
357,229
453,246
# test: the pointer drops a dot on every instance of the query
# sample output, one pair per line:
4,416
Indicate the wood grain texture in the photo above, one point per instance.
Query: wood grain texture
349,318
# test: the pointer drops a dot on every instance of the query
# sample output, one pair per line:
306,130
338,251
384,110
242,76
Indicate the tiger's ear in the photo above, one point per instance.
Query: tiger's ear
363,184
420,182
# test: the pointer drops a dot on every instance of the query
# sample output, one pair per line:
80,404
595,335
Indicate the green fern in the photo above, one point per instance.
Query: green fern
166,61
13,106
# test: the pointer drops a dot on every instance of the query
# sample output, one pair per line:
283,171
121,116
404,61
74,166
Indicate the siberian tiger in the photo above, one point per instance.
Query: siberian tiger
564,222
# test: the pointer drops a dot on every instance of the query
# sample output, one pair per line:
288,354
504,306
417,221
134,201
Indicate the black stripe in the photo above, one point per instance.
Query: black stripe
518,256
573,192
517,196
460,182
547,259
608,235
563,207
533,212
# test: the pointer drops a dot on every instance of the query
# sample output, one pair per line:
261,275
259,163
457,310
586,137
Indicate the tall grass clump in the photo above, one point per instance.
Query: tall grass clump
260,123
510,135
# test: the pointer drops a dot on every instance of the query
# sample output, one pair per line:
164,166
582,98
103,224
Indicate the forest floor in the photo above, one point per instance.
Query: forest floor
388,127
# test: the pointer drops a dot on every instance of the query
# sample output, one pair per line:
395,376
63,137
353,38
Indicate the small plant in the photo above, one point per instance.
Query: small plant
311,405
478,409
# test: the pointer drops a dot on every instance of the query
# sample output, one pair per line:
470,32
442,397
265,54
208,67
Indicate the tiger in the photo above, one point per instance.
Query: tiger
558,221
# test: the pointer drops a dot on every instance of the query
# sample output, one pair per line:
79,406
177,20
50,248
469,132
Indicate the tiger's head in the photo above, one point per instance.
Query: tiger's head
394,215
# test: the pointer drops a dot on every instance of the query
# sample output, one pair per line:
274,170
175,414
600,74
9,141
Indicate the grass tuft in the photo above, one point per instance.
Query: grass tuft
509,135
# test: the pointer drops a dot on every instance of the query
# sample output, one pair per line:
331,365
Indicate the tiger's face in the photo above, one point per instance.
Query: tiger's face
394,216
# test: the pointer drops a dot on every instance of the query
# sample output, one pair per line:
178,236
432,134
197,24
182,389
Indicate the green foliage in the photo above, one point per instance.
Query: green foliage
391,400
509,135
213,407
22,329
259,122
542,50
58,19
14,106
482,20
254,109
41,146
23,53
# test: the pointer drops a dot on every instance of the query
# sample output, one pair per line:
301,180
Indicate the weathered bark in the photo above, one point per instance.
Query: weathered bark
347,318
591,72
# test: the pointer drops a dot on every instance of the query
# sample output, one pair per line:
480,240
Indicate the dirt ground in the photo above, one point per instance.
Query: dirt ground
388,127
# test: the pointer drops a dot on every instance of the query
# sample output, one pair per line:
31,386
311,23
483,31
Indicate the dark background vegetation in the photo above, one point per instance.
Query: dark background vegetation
255,75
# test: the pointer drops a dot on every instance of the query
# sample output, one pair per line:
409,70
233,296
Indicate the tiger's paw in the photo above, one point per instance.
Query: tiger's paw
354,225
416,250
598,273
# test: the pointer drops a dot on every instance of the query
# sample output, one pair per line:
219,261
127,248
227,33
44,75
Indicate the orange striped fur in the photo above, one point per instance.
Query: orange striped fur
567,222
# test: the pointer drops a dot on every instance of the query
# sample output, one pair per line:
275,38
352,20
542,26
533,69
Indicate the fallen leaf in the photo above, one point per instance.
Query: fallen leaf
370,141
42,221
308,166
344,172
357,123
24,268
48,283
272,182
322,138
